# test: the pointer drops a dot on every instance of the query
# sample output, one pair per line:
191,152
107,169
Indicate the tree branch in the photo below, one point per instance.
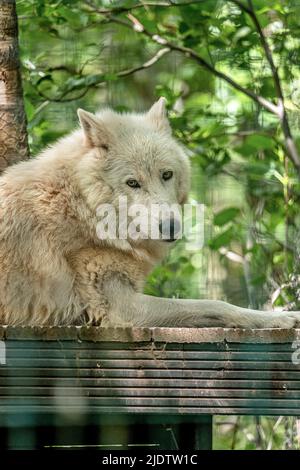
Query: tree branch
119,10
123,73
278,109
137,26
282,113
160,53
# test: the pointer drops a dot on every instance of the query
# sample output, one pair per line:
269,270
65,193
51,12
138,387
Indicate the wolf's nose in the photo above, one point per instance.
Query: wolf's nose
169,229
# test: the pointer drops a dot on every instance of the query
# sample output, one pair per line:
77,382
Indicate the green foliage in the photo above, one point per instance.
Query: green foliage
259,433
226,215
72,55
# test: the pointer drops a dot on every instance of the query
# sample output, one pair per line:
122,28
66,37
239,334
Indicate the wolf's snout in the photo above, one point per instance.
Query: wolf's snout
169,229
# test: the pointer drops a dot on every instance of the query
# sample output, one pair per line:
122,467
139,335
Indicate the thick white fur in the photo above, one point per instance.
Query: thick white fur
53,268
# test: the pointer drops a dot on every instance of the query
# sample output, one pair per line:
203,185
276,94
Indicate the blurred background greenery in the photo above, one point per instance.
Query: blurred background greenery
125,54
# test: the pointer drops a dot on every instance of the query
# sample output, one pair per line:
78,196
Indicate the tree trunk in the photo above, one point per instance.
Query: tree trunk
13,133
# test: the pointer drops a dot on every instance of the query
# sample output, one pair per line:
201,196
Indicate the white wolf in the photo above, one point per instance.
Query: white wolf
54,270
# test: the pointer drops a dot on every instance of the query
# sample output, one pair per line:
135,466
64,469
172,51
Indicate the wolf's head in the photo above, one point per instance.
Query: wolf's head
133,158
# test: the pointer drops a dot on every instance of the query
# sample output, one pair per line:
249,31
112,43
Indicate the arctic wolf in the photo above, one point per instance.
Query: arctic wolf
54,268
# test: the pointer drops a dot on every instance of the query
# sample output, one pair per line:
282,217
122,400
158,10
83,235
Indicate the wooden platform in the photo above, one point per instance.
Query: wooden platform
65,374
161,370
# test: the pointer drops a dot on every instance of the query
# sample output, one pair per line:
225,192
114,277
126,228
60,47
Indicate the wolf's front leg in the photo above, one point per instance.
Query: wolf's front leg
108,286
144,310
99,276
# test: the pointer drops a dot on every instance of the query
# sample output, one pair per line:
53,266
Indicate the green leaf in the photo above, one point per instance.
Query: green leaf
255,142
29,108
260,141
226,215
222,240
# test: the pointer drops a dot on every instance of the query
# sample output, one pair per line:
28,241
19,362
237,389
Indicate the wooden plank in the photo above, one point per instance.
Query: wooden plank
67,354
77,333
225,346
167,383
98,411
69,392
161,402
166,335
151,373
76,346
79,363
227,335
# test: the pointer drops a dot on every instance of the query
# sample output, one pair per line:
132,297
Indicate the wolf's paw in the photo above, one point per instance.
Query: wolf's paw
285,320
94,316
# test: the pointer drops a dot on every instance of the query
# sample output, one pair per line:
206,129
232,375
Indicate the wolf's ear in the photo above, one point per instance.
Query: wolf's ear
157,114
94,130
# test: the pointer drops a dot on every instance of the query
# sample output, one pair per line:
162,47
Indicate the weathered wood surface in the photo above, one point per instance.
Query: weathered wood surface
163,371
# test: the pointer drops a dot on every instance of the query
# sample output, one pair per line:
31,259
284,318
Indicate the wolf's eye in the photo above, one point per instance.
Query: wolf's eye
133,183
167,175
